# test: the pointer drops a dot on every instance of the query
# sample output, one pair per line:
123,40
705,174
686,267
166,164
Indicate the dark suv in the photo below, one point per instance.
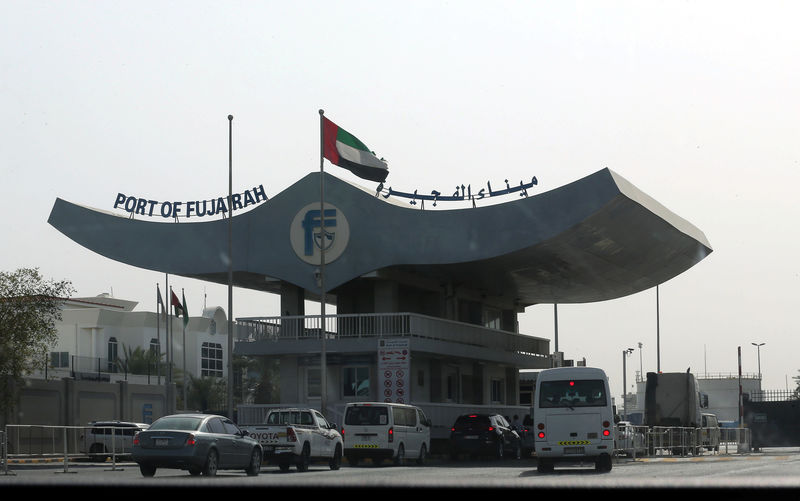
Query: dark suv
482,435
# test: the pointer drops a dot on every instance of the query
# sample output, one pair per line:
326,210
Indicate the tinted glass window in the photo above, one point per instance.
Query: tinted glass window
404,416
284,417
230,428
215,426
323,423
472,422
182,423
573,393
367,415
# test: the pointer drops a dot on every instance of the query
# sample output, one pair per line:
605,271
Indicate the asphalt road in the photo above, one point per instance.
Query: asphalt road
777,468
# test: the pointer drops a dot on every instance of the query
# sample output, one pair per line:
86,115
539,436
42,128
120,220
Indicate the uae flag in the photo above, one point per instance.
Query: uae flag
176,304
345,150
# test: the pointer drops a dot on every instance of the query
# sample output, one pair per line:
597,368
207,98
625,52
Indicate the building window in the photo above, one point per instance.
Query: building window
355,382
155,347
211,360
113,351
313,383
492,318
59,359
526,397
452,390
497,391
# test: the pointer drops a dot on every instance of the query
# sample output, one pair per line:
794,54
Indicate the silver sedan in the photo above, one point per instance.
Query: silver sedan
199,443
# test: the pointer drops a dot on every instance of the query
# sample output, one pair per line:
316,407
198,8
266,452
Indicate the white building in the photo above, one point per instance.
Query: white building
96,333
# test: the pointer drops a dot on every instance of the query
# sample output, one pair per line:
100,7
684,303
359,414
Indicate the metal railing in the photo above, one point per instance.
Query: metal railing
773,395
46,443
642,441
350,326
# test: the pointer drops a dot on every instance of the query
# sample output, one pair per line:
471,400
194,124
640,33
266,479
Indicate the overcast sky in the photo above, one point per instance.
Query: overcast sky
694,102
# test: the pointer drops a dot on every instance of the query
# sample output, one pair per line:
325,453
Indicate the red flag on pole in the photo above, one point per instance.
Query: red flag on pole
176,303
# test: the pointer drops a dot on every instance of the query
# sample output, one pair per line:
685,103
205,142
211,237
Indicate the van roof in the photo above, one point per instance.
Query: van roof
393,404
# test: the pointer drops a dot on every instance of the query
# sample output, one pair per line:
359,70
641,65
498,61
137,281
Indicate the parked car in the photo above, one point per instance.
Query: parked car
484,434
527,436
380,430
199,443
103,438
298,437
629,439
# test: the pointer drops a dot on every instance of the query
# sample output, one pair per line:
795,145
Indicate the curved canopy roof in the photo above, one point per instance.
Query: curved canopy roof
594,239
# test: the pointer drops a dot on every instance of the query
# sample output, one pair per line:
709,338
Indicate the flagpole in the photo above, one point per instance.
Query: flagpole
323,355
230,268
185,317
168,321
158,333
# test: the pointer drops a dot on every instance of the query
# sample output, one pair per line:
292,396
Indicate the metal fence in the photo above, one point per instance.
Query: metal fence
643,441
43,443
69,444
773,395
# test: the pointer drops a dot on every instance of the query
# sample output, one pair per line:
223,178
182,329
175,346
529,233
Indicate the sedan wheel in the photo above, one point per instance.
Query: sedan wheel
255,463
211,465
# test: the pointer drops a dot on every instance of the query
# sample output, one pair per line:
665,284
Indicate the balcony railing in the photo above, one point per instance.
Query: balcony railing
354,326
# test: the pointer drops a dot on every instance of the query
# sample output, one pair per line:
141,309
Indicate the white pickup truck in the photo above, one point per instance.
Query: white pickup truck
297,436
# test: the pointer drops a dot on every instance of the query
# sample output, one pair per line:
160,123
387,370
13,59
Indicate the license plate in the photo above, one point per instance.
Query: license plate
162,442
574,450
471,437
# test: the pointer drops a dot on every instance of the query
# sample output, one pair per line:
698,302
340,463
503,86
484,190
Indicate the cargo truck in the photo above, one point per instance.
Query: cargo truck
674,411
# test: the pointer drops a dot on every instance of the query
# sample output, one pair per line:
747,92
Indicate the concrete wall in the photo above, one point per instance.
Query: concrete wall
68,402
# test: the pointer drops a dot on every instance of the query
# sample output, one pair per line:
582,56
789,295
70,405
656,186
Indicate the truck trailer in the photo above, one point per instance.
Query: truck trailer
673,411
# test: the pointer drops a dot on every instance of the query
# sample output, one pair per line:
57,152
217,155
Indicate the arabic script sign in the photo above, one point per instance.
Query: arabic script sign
461,193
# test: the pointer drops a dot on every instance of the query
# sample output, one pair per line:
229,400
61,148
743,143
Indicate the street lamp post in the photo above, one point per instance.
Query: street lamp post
641,366
758,348
625,354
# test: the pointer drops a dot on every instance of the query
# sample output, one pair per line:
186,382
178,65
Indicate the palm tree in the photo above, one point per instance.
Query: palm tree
206,393
139,361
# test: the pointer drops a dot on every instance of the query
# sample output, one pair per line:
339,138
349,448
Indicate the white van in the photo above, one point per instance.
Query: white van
379,431
573,417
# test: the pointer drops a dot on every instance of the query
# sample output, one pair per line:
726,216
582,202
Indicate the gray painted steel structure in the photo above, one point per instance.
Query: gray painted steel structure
594,239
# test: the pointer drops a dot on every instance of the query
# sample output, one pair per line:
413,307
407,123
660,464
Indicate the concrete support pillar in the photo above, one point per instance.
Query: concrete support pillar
292,300
386,296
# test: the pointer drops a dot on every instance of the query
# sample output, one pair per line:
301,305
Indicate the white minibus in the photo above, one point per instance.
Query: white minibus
378,431
573,418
